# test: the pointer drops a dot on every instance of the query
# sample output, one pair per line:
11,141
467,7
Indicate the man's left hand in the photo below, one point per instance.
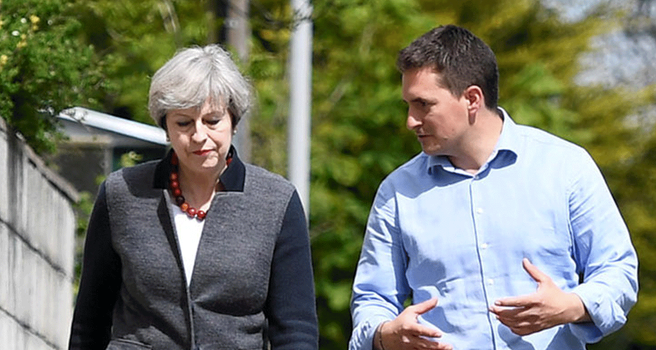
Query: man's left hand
549,306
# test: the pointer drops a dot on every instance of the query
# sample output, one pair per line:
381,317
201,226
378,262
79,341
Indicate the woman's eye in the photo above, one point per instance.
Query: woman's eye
183,123
213,121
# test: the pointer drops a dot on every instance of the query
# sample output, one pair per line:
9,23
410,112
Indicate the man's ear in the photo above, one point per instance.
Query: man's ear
475,99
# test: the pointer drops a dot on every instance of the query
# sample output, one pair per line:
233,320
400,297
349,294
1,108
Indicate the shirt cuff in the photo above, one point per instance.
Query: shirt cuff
362,337
607,316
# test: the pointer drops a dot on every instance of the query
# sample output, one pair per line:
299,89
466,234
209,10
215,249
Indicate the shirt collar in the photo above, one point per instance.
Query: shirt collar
509,138
508,143
232,178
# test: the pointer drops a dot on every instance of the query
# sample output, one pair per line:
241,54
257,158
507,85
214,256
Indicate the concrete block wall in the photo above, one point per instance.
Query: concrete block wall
37,242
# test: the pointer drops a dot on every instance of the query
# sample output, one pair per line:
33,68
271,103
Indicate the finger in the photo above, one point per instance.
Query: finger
521,321
444,346
513,320
423,343
519,330
506,311
512,323
515,317
424,306
424,331
514,302
534,272
523,328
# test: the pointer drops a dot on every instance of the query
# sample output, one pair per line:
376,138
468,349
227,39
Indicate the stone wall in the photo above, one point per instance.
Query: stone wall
37,240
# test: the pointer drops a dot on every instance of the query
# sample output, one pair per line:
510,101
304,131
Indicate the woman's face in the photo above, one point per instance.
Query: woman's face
200,137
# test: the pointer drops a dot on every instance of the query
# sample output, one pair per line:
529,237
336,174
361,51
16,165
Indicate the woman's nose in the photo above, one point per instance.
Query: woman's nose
199,134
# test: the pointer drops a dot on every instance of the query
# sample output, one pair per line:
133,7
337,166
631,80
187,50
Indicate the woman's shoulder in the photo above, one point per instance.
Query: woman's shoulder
258,178
136,178
136,171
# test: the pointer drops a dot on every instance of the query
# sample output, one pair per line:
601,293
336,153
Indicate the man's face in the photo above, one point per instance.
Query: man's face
439,119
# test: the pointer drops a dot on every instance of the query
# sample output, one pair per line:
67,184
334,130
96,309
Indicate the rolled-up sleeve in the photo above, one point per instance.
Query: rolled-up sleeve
380,286
604,253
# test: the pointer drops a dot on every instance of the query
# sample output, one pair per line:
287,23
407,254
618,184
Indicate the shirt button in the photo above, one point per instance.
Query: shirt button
479,210
490,281
484,246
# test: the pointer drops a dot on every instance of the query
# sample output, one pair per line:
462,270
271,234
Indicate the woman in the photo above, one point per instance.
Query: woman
198,250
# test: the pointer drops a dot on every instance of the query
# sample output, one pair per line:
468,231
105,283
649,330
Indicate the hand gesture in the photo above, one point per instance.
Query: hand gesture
405,332
549,306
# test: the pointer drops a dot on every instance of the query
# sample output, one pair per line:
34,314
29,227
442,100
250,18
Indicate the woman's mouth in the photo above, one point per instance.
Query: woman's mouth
202,152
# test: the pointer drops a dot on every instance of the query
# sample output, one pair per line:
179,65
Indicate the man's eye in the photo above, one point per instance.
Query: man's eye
420,104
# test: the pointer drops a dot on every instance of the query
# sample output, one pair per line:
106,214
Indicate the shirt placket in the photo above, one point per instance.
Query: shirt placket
480,212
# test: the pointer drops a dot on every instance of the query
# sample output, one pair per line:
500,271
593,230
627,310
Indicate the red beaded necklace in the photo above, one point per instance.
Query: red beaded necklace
174,183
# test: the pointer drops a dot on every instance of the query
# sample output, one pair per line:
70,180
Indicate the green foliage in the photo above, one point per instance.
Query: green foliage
359,136
138,37
44,67
358,117
130,159
631,172
83,209
271,24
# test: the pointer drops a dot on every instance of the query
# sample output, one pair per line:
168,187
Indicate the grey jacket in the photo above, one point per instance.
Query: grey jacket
252,282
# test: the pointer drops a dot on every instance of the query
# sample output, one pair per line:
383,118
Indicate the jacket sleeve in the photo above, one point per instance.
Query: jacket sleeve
99,284
291,303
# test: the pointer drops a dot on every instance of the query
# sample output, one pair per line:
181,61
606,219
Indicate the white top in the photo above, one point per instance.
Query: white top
188,231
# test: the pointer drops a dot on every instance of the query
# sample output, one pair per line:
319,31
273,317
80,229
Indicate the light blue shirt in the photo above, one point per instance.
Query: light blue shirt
437,231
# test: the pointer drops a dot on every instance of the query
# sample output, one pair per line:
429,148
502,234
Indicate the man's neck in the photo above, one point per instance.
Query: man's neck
478,146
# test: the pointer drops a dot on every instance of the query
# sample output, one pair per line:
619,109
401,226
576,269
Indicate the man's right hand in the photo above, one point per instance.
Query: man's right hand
405,332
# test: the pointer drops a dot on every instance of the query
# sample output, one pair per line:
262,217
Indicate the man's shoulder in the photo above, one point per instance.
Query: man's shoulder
415,165
408,172
546,139
553,151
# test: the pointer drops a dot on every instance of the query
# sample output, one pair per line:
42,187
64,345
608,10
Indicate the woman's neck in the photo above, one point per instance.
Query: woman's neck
198,188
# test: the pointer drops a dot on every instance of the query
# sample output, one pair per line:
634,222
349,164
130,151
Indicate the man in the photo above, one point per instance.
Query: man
504,236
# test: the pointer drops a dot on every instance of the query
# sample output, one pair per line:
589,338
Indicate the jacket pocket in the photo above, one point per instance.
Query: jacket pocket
124,344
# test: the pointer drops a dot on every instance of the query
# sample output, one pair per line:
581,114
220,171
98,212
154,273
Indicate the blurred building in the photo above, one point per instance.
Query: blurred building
96,142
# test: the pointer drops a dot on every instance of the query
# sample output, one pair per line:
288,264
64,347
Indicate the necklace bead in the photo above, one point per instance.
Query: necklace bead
174,185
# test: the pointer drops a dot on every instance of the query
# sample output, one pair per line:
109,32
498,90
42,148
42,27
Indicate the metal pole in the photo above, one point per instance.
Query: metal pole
300,77
237,36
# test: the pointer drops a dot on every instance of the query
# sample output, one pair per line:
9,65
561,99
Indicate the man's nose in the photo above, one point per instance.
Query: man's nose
412,121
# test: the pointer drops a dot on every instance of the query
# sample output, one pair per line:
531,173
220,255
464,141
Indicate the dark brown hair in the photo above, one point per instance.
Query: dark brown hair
461,59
